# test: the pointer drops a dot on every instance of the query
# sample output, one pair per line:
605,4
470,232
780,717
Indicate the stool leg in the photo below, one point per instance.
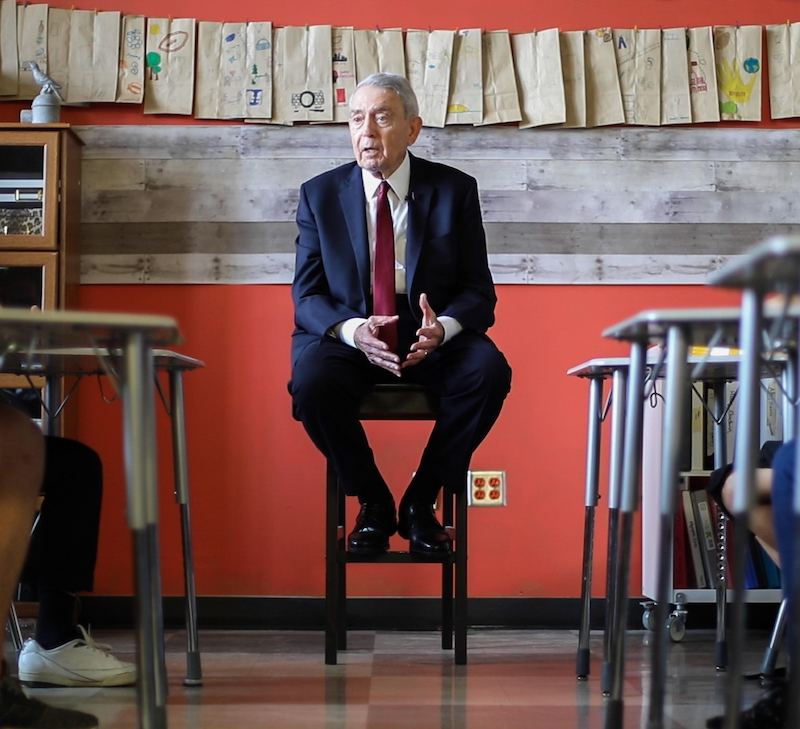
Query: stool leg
341,562
461,578
447,578
331,567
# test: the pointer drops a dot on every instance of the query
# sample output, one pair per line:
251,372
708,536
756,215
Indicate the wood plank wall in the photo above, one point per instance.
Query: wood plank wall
216,204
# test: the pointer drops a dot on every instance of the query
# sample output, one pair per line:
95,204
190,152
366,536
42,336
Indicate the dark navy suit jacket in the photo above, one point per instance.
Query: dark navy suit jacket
446,254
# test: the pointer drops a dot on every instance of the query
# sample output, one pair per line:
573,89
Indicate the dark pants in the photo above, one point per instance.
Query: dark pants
63,547
783,479
469,374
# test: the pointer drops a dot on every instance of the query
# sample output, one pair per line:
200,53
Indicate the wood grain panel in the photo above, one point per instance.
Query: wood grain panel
217,203
506,268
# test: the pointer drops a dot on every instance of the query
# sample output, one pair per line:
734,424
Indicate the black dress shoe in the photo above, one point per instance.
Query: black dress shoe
425,534
768,713
375,523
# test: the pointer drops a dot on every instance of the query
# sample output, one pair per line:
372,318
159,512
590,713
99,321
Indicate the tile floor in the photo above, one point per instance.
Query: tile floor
386,680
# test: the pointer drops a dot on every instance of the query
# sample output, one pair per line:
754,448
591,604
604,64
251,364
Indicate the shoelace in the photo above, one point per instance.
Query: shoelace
87,638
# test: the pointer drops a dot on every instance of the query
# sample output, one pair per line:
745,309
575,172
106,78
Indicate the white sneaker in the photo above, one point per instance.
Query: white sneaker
81,662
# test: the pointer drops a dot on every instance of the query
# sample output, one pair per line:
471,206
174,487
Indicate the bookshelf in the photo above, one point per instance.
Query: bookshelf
691,479
40,219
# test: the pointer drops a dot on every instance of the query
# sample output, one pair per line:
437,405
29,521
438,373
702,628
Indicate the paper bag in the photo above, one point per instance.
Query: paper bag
130,80
638,55
500,96
603,94
676,104
59,23
93,56
344,72
429,57
379,51
221,71
783,49
465,105
703,75
258,92
573,66
169,77
281,108
32,46
537,61
738,60
308,70
9,62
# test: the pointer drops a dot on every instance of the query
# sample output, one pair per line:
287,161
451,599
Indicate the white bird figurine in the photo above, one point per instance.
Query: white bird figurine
49,86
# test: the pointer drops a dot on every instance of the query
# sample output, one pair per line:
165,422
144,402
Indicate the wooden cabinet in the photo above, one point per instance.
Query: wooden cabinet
40,217
40,199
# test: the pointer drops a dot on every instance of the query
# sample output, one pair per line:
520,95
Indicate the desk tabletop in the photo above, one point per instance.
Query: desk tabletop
701,325
22,330
773,265
80,361
714,366
717,326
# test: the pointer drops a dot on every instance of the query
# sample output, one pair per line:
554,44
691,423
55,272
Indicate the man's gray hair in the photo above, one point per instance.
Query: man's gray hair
398,84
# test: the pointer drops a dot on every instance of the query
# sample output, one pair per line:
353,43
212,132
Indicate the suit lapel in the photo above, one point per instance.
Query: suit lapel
420,197
354,208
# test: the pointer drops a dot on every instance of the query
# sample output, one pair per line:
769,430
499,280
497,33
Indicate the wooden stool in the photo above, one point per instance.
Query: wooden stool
396,402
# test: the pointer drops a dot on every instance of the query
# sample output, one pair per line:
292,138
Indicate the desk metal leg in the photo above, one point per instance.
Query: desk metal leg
776,638
592,485
142,496
676,389
720,459
194,673
619,385
793,637
745,466
628,505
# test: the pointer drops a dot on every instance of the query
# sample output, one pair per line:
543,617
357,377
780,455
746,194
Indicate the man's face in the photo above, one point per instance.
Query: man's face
379,131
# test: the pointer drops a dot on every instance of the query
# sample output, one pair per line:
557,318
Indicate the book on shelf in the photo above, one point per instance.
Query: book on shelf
710,427
701,445
697,429
771,422
694,539
731,388
682,575
706,536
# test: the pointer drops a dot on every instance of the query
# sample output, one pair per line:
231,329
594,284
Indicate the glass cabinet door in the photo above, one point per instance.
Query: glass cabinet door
28,189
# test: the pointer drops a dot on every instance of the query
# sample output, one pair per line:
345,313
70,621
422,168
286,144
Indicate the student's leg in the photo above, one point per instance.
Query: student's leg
61,562
21,469
63,549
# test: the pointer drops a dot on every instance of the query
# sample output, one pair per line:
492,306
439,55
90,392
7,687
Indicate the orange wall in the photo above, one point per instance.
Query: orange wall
257,482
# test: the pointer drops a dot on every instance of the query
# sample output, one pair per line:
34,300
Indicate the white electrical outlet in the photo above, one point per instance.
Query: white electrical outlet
486,488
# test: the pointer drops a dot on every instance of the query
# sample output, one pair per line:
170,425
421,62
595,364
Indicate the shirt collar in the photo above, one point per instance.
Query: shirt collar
399,180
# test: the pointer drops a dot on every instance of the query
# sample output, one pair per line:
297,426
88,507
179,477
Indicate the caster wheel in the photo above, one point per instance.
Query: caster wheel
647,620
677,628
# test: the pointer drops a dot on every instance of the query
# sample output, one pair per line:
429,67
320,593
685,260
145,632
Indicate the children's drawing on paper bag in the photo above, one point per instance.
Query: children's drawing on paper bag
738,63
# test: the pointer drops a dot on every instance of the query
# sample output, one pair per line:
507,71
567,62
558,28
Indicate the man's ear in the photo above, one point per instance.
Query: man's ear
414,128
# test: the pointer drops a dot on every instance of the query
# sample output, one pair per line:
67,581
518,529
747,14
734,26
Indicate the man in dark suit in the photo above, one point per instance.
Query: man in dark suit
436,337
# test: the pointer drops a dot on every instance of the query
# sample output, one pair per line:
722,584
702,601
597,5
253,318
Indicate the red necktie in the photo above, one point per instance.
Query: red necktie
383,294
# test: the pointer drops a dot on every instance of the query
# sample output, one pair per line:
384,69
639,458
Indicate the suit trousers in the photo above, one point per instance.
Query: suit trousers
468,373
63,547
783,480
